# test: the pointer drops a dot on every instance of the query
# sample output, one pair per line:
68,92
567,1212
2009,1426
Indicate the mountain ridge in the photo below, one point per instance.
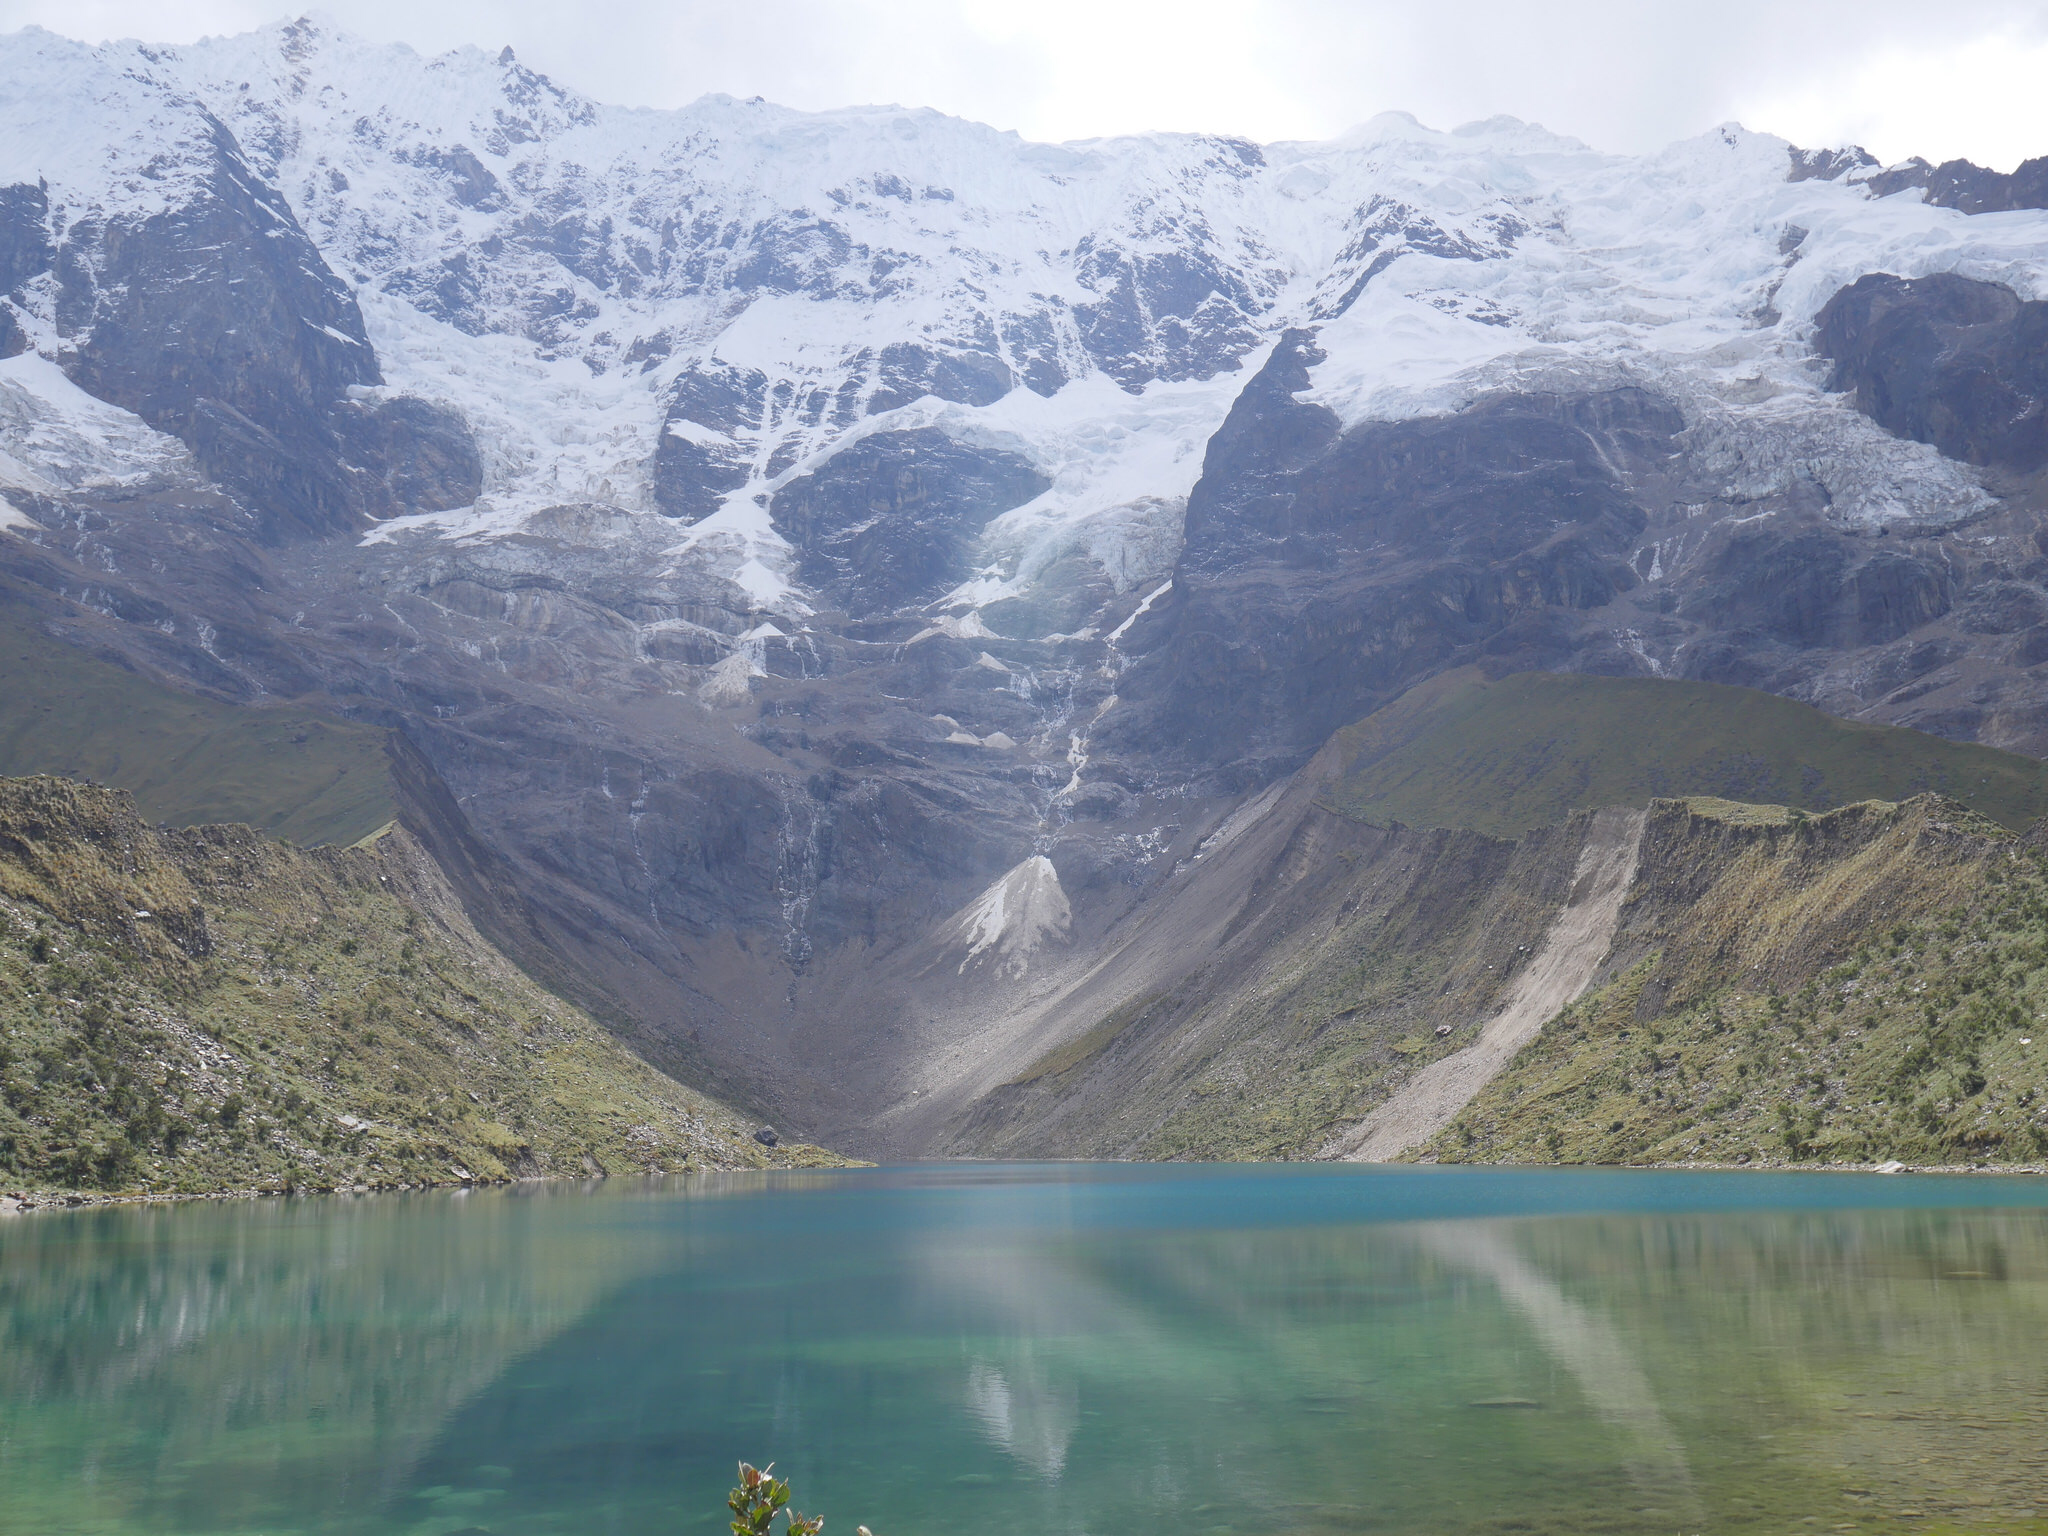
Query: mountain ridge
1504,754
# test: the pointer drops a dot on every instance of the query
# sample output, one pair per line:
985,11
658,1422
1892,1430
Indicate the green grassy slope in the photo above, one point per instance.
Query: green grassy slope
210,1009
290,771
1857,986
1526,750
1927,1043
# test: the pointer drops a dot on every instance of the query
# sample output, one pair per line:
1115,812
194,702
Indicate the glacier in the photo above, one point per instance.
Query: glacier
574,279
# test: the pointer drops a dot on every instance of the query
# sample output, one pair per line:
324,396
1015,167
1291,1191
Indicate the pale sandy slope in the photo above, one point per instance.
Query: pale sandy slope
1572,950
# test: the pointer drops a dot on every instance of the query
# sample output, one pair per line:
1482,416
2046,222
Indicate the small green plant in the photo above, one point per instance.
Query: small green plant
759,1498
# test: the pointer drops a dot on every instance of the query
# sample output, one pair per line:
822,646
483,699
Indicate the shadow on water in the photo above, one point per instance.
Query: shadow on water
1053,1348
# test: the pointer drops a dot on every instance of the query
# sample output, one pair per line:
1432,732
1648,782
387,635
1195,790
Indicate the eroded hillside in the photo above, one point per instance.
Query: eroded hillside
1810,1004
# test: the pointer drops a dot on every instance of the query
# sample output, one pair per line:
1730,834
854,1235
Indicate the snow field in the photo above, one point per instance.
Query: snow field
550,266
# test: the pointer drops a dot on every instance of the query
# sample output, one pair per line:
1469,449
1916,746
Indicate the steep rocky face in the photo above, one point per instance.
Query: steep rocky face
1324,570
26,251
216,320
207,312
1946,360
1962,185
226,284
891,522
407,455
1808,590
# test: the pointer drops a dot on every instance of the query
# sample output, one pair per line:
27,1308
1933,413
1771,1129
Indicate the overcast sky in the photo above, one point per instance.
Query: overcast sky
1963,77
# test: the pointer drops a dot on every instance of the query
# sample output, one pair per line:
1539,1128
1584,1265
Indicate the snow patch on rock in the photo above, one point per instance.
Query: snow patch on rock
732,680
1013,919
1695,273
55,437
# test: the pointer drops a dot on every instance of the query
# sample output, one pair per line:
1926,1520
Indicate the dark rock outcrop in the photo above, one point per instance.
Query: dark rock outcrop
1966,187
1958,184
706,449
889,521
1945,360
292,479
215,320
1813,589
1828,164
716,415
223,299
1163,314
908,371
410,455
2004,608
25,248
1324,570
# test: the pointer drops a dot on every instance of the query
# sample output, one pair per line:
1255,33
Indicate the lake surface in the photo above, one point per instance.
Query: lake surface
1042,1349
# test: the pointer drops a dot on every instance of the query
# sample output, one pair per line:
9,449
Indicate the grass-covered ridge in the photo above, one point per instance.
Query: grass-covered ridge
1834,1036
1525,751
293,772
203,1009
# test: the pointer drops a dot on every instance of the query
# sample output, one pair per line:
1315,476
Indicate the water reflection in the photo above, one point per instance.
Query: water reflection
216,1367
1589,1346
1065,1351
1024,1410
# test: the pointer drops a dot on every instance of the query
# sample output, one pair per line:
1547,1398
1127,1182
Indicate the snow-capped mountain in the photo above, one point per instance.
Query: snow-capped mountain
681,311
786,533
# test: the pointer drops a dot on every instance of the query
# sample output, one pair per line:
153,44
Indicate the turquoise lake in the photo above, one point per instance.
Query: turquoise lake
1044,1349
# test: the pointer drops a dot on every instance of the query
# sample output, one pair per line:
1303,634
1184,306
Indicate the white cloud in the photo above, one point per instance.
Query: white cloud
1981,99
1899,75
